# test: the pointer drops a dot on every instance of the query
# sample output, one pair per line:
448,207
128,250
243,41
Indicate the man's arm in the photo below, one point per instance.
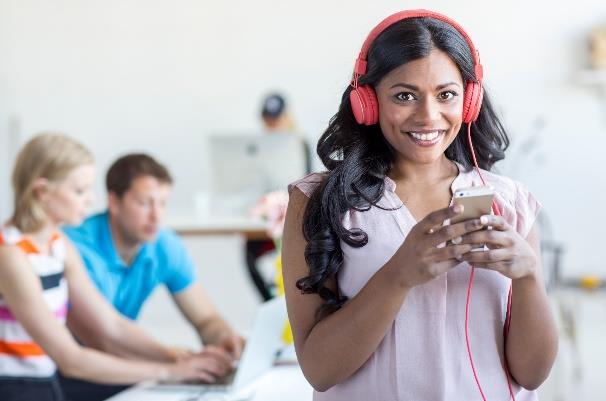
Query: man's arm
199,310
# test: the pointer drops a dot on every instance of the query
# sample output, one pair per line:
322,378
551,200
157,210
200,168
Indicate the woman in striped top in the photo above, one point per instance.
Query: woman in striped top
40,271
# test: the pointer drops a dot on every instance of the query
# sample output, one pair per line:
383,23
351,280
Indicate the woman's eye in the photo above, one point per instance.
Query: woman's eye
448,95
405,96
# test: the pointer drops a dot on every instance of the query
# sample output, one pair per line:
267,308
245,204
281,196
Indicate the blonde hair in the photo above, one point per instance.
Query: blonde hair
51,156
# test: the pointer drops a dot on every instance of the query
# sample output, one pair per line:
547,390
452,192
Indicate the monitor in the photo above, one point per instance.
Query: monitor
245,167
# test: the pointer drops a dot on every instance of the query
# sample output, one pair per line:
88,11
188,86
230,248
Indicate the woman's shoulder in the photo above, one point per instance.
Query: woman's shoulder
507,187
9,235
518,204
11,248
13,243
307,184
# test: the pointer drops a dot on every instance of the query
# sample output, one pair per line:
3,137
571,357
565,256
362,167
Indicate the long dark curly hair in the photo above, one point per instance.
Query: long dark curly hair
358,158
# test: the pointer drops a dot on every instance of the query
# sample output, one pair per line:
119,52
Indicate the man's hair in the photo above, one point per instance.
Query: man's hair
127,168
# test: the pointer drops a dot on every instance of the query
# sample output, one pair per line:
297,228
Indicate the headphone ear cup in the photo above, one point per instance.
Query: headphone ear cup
373,105
472,102
357,105
364,105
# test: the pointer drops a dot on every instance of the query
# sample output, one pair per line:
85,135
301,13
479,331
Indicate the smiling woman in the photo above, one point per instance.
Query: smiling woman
376,289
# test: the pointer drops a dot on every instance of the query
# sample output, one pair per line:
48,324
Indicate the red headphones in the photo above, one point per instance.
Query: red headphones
363,98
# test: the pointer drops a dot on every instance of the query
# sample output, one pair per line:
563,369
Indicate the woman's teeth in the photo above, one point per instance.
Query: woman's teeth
428,136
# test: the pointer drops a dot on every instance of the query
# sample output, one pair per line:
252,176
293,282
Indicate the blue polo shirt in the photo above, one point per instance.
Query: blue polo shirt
163,261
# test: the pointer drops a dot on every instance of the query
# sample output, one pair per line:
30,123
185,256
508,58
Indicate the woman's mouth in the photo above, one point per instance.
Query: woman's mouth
426,138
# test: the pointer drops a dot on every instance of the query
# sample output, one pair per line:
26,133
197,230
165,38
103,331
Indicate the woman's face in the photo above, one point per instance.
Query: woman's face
67,201
421,106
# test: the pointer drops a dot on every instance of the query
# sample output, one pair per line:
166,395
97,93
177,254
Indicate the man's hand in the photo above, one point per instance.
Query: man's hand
208,365
233,344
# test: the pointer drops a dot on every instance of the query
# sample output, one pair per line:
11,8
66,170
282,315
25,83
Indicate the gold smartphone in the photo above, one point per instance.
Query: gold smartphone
477,201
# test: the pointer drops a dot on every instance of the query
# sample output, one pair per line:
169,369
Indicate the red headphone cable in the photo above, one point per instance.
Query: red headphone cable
497,211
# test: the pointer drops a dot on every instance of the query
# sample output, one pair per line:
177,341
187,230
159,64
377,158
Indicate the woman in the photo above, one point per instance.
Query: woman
43,283
388,316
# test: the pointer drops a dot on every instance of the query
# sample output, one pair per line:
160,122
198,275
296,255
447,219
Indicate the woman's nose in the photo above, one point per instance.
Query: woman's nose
428,111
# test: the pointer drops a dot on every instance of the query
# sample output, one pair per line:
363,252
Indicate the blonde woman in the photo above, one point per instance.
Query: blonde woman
40,271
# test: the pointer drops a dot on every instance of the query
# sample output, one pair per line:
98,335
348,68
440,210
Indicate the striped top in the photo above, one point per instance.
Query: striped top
20,356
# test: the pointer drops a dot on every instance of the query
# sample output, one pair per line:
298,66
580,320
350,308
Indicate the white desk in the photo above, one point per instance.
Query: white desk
191,225
252,230
279,384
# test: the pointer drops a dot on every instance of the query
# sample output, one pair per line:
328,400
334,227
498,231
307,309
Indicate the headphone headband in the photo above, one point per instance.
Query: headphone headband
360,66
363,99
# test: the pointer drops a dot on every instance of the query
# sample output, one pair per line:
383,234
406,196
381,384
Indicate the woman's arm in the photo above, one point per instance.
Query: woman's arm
108,331
21,290
331,350
532,342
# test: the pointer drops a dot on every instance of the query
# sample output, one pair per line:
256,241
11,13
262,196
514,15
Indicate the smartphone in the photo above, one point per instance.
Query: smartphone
477,201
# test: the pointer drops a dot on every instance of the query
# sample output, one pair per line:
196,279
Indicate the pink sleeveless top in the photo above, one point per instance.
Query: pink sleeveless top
423,356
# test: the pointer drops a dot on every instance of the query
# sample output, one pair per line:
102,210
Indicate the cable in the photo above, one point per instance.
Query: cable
473,368
497,212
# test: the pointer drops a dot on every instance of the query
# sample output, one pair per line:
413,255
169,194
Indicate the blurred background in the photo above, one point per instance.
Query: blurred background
165,76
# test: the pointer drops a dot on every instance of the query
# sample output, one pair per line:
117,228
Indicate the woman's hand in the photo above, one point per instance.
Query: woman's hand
508,253
423,256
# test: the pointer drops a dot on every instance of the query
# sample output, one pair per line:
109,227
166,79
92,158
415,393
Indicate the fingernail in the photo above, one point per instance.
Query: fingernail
459,257
458,208
457,240
484,219
431,231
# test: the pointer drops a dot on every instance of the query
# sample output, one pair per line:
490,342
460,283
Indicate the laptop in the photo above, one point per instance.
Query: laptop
262,347
243,168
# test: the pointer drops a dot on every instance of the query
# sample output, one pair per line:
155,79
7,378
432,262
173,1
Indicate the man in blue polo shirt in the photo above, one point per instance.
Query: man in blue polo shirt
128,279
128,254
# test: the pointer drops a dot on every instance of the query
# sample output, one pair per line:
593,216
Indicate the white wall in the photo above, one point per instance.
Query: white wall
158,76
